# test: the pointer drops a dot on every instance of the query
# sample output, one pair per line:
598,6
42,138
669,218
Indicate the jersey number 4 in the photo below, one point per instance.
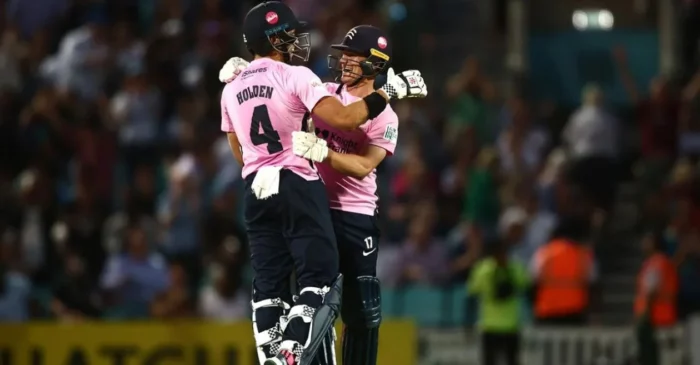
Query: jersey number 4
269,136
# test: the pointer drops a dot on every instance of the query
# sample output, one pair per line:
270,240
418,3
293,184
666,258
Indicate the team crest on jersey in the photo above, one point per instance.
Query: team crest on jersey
391,134
316,82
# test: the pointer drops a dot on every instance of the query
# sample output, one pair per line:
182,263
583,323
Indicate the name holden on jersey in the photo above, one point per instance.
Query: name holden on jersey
255,91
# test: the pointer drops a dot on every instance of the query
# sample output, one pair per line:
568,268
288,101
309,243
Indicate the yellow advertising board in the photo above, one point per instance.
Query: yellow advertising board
163,343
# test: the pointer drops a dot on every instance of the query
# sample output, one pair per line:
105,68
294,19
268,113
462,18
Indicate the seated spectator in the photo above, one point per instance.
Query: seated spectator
411,185
15,287
521,146
423,258
133,278
179,209
467,253
223,299
526,227
75,297
175,301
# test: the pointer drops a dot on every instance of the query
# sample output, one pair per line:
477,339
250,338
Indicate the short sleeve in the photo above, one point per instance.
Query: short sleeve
226,122
305,85
384,131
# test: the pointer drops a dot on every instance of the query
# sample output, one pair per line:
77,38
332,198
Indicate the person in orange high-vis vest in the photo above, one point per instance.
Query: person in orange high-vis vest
655,304
657,288
563,270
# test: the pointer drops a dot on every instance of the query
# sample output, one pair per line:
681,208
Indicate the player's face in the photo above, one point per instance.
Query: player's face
350,67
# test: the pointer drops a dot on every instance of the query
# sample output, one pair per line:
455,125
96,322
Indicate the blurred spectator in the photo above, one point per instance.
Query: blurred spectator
84,218
689,128
135,111
75,297
499,284
690,34
423,259
12,52
591,140
179,208
591,131
32,16
655,305
521,145
551,175
129,51
562,271
413,184
81,62
135,277
175,301
526,226
481,203
15,287
466,254
470,91
34,219
688,259
223,299
657,116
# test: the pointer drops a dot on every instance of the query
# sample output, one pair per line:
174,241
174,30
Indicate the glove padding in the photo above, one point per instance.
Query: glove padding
408,84
232,68
308,146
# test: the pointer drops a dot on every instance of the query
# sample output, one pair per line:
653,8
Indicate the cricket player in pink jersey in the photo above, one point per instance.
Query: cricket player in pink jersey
347,162
286,208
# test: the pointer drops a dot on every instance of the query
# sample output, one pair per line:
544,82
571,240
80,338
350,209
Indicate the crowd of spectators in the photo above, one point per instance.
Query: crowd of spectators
119,195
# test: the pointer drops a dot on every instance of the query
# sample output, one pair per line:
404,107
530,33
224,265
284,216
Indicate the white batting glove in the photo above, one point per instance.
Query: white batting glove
308,146
408,84
232,69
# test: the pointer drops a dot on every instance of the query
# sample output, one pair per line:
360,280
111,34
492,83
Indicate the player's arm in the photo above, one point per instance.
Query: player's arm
317,99
351,116
227,126
235,147
357,166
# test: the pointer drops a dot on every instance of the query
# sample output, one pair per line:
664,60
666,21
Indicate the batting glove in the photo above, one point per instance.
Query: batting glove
232,69
308,146
408,84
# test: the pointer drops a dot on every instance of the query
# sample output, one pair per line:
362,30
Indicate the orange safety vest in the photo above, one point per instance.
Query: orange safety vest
662,311
563,279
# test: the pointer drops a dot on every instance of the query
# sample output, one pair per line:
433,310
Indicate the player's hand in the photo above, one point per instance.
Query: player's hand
408,84
308,146
232,69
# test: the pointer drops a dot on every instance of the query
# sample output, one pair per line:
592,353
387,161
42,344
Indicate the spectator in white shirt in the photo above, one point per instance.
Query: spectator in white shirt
591,140
83,56
591,130
221,300
521,145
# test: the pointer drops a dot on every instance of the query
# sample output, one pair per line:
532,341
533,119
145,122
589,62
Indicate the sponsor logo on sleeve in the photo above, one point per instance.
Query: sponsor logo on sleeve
391,134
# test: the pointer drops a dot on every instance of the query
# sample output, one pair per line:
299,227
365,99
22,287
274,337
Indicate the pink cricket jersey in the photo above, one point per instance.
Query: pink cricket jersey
348,193
263,106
